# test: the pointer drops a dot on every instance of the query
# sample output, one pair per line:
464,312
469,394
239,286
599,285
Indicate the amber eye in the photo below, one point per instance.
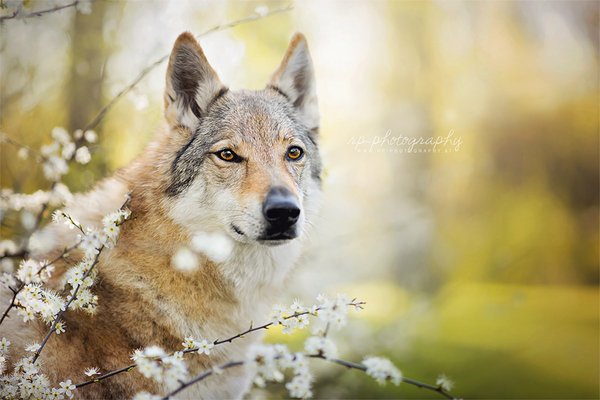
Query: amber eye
295,153
228,155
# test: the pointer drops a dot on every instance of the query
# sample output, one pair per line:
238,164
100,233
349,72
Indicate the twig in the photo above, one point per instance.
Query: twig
145,72
12,303
57,319
347,364
40,13
361,367
203,376
74,295
21,286
37,155
18,254
216,343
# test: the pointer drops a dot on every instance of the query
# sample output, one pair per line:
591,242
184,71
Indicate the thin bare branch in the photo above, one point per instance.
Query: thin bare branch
12,303
40,13
39,157
164,58
203,376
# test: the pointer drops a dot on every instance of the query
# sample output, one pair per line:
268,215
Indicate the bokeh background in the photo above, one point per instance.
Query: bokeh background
480,262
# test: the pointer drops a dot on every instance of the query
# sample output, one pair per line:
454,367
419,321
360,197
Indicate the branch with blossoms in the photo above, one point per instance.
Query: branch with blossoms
32,300
32,273
266,362
296,320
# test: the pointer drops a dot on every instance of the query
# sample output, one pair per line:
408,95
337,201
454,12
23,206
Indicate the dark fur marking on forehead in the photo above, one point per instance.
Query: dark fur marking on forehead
216,97
184,166
278,90
183,175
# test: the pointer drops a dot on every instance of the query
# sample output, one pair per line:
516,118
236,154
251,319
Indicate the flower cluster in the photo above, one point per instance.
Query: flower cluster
27,381
202,347
321,345
300,385
111,224
31,271
35,300
382,369
154,363
296,316
57,154
33,202
335,312
82,276
445,383
262,360
266,361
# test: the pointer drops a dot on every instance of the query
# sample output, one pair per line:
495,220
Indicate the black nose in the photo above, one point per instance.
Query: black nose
281,209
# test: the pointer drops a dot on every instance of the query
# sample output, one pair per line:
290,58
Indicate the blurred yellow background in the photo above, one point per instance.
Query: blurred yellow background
481,262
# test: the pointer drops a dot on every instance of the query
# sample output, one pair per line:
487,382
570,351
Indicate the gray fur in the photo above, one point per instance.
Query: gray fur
256,117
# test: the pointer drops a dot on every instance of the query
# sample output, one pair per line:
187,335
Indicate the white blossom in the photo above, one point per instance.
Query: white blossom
262,10
214,246
4,343
23,153
92,371
276,316
82,155
60,327
185,260
205,347
444,382
190,343
61,135
29,271
137,353
33,347
262,358
84,6
146,396
90,136
154,351
381,369
8,281
68,387
68,150
316,344
299,387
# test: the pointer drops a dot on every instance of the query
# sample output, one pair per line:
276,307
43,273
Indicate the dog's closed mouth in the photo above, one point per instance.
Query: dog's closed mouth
277,237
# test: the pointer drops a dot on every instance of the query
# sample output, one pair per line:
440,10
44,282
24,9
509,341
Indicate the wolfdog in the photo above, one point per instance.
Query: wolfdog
242,166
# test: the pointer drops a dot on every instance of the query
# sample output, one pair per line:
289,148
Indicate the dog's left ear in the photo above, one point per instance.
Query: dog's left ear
295,78
191,83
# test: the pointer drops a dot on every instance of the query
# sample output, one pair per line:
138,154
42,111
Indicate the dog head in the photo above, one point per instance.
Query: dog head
248,163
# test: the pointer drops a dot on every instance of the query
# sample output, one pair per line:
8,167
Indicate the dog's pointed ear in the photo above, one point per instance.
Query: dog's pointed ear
191,83
295,78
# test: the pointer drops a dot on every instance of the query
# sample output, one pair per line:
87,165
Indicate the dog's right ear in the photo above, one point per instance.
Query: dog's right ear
295,78
191,83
